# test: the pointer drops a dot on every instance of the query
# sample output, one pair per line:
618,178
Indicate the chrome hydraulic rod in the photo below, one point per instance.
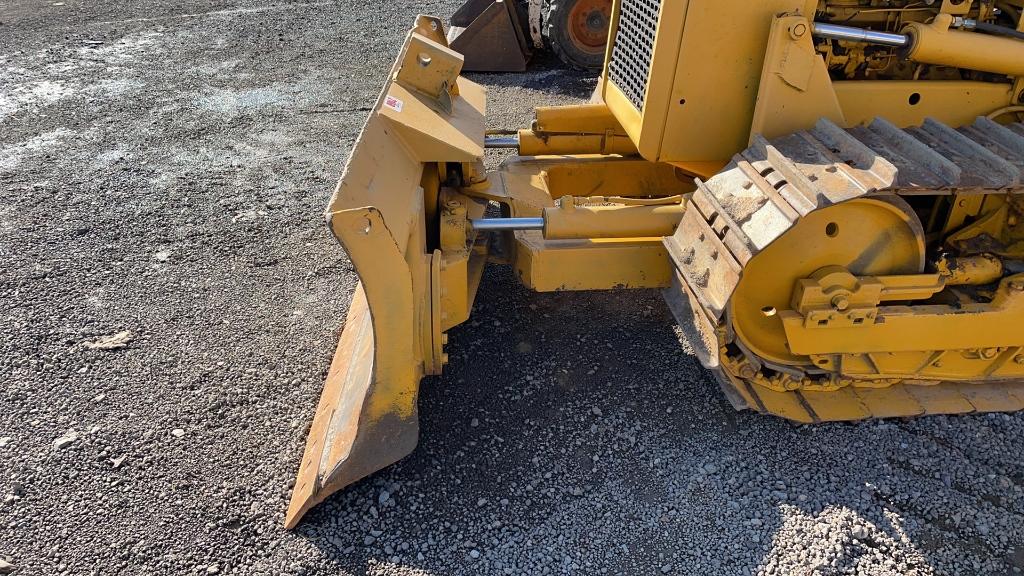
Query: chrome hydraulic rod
507,223
836,32
501,141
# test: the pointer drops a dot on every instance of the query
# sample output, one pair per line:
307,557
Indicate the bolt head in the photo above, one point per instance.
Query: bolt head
840,302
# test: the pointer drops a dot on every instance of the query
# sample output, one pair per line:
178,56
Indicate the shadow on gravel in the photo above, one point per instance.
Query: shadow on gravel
571,433
546,73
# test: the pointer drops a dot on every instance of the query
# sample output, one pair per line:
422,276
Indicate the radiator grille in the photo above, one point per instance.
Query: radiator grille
634,45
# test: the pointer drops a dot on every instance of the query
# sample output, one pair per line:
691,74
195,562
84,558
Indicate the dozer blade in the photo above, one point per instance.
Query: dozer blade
367,416
488,33
343,445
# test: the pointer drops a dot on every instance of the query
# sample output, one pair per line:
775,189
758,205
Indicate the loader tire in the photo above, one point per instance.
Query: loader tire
577,31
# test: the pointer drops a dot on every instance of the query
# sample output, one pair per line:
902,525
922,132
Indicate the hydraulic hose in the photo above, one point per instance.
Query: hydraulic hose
998,30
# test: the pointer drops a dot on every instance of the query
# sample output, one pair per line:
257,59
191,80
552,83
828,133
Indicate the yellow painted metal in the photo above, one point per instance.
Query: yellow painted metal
787,405
941,399
571,222
889,402
997,232
969,270
838,405
909,103
530,184
367,415
533,143
936,43
577,129
460,264
703,79
592,117
837,289
369,399
909,399
713,63
877,236
992,397
590,264
974,326
795,90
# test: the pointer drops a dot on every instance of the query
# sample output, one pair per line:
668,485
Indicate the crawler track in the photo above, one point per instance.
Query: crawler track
770,187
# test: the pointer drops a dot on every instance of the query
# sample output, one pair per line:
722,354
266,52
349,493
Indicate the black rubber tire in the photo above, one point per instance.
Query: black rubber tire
555,30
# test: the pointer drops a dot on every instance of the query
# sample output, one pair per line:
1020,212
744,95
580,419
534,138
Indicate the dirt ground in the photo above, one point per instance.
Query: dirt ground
163,172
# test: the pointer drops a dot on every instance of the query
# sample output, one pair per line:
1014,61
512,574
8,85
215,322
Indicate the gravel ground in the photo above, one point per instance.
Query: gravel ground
170,300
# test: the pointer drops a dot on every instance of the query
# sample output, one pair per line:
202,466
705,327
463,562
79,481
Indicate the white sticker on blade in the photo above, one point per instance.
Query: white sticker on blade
393,103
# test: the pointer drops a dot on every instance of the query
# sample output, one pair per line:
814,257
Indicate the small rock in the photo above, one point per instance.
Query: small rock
6,567
213,569
481,502
116,462
710,468
5,441
474,553
66,440
596,411
384,496
177,432
474,422
111,342
859,532
666,568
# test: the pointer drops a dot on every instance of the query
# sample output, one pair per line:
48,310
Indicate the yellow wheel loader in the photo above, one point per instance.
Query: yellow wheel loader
829,193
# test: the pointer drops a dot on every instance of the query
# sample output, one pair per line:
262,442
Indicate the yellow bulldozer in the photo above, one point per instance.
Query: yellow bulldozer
830,193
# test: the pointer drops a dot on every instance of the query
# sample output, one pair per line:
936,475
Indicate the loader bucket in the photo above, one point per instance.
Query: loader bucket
367,417
490,36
